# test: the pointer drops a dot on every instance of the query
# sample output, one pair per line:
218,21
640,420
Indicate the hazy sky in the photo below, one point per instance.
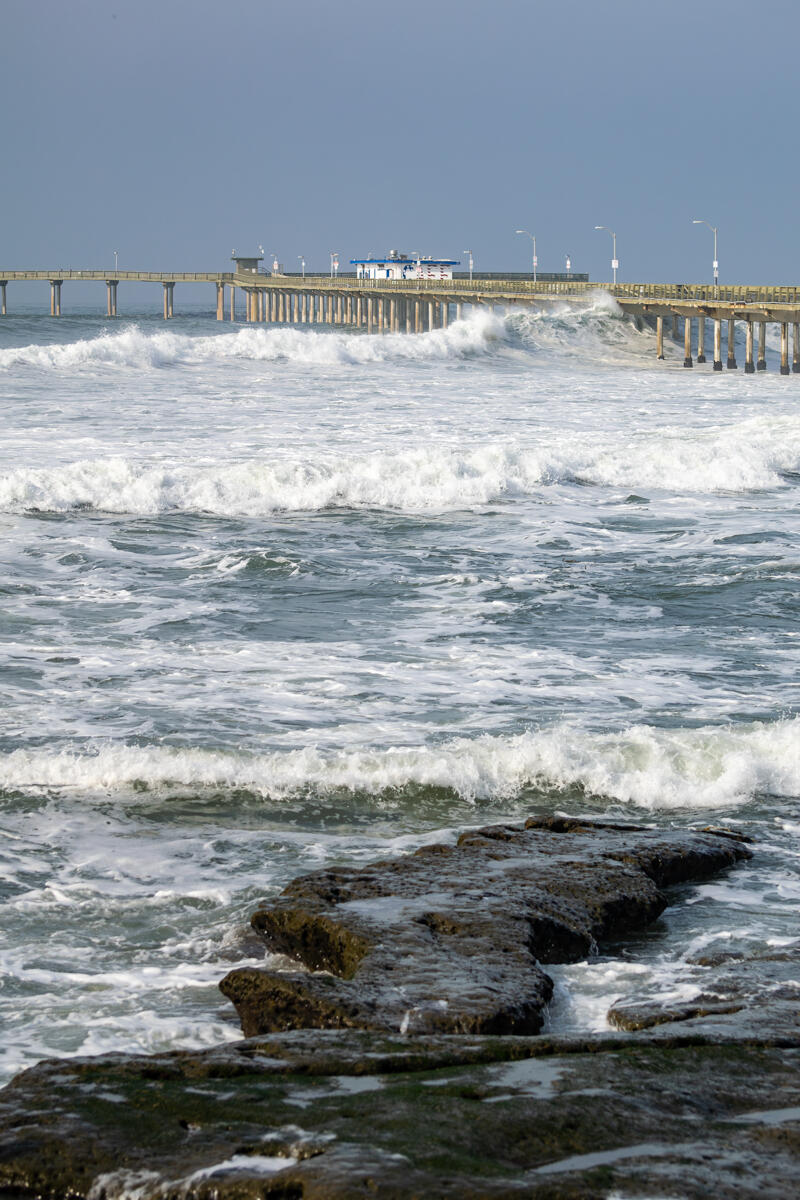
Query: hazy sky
174,130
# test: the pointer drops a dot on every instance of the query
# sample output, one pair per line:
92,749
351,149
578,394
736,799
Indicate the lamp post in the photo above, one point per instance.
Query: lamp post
115,262
535,259
713,229
469,252
302,264
568,261
334,263
614,262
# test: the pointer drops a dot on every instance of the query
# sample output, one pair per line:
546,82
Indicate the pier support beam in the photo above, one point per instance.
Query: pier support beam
731,363
674,327
659,337
55,297
687,342
749,365
445,314
717,344
784,347
795,347
111,297
701,339
431,315
459,310
220,301
169,292
370,313
3,309
761,365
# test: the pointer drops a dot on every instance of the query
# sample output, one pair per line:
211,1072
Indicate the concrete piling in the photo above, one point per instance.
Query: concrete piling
111,297
701,339
717,344
659,337
687,342
731,363
795,347
784,347
761,365
749,365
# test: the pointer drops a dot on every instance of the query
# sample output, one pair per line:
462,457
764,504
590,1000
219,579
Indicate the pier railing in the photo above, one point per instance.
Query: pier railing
731,293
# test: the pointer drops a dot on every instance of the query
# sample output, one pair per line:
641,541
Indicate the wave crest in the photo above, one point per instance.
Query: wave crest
747,457
644,766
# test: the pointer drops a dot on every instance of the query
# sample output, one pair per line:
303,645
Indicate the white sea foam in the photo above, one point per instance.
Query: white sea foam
643,765
134,347
576,331
747,456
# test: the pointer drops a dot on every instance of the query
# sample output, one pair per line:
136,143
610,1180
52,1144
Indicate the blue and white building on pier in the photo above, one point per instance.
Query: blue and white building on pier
404,266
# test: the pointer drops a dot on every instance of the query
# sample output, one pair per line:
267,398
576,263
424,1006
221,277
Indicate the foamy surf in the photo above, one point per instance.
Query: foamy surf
748,456
597,331
648,767
136,348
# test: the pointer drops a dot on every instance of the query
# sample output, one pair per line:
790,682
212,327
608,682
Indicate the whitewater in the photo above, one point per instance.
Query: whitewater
276,597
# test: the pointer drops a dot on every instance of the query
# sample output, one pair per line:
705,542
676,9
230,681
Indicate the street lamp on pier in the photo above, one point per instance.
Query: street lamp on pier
713,229
535,259
469,252
115,262
614,262
334,263
302,264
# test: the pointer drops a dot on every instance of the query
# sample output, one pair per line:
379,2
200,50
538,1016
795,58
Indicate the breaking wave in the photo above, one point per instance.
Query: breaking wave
645,766
593,330
132,347
749,456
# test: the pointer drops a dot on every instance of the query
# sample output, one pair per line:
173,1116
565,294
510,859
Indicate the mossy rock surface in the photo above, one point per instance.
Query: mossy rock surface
350,1113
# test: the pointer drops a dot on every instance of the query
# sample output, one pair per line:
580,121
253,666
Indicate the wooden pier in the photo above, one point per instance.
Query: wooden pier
421,305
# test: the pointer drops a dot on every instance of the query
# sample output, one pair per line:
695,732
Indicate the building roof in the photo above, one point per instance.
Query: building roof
411,262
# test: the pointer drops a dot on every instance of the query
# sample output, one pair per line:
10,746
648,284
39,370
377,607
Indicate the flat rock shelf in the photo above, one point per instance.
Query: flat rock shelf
405,1060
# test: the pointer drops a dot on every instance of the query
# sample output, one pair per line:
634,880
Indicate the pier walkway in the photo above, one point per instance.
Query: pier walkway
420,305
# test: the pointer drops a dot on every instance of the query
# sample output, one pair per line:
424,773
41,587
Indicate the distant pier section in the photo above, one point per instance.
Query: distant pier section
423,303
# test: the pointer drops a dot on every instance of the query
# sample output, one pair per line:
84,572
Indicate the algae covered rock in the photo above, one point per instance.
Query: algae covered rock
451,939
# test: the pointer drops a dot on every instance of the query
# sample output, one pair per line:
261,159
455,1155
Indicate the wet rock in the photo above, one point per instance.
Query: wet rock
736,992
332,1115
450,939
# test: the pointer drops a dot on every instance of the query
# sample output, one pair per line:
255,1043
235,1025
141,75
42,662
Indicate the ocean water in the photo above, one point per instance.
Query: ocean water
279,597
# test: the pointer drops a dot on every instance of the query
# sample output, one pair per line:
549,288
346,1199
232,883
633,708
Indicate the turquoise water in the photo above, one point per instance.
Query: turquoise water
273,597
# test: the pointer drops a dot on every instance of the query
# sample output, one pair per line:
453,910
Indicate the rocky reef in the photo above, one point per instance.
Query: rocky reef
448,940
403,1058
